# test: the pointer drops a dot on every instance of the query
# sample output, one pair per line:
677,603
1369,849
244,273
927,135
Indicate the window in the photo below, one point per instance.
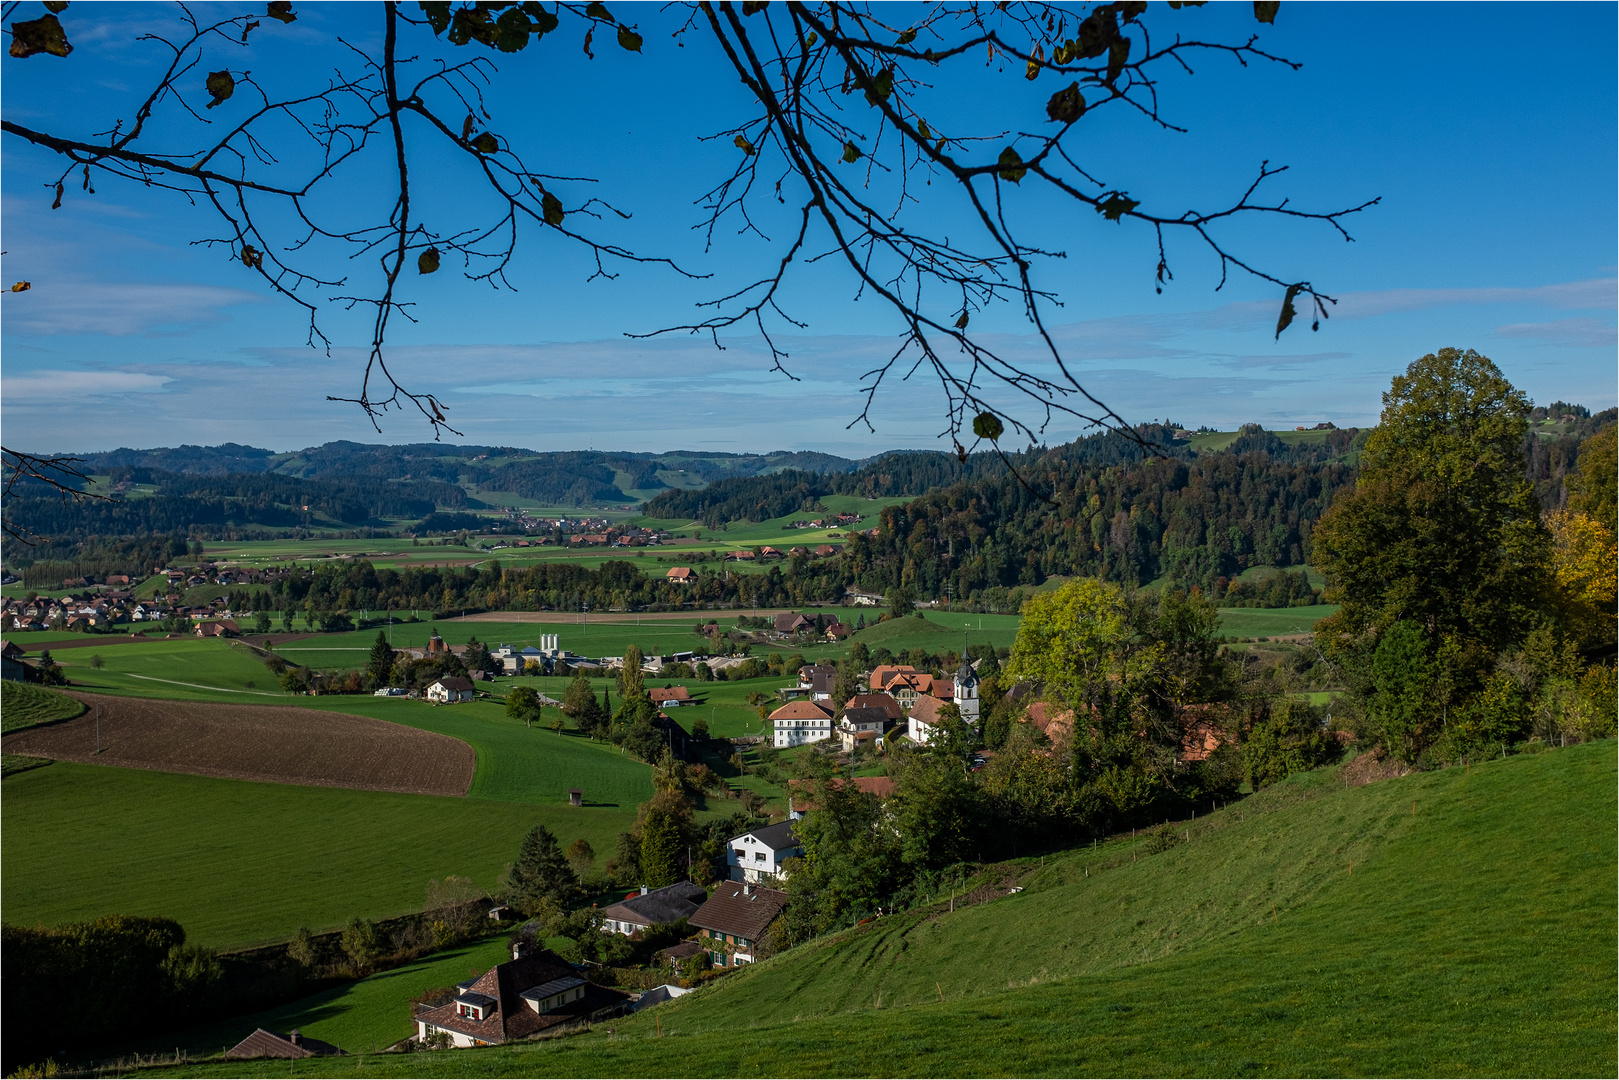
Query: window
758,856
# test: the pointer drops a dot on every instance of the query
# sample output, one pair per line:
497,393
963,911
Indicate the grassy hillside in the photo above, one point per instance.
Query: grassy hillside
23,705
1450,923
238,863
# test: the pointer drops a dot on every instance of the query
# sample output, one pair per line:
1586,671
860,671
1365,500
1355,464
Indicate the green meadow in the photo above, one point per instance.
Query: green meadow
238,863
1272,622
1453,923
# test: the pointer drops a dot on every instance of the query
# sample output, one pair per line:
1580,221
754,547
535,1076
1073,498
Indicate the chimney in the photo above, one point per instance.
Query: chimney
295,1038
643,890
747,890
518,949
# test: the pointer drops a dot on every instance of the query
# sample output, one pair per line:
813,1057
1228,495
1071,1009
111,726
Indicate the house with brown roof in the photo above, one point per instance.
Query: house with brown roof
901,681
878,787
734,919
791,622
926,721
863,726
681,575
1055,722
885,702
803,721
533,992
273,1044
669,697
218,628
451,689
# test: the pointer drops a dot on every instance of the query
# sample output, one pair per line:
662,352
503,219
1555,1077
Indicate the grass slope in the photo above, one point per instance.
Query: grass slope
1450,923
23,705
1271,622
238,862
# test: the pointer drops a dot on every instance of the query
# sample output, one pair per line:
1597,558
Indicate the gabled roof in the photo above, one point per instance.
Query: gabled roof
511,1017
777,837
926,709
885,702
669,693
273,1044
659,906
867,715
455,682
743,911
802,709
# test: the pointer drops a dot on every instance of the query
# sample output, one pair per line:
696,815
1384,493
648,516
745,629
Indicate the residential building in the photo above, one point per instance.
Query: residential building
925,721
885,702
799,804
758,855
273,1044
902,682
681,575
791,623
528,994
669,697
863,726
451,689
799,722
655,907
734,919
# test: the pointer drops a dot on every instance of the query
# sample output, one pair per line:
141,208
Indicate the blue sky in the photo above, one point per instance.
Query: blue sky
1496,231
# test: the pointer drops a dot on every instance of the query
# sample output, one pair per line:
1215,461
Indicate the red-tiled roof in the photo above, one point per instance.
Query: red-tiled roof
885,702
512,1018
742,914
802,709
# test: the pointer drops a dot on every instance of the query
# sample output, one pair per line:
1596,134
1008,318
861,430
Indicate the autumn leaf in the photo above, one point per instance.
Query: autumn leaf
906,38
1117,55
252,258
22,286
743,145
629,40
1032,72
438,14
1265,10
961,323
598,10
467,125
221,85
1011,166
986,425
41,35
922,130
281,9
851,153
427,261
589,35
57,204
881,87
247,28
809,42
1285,319
1066,105
511,31
1116,205
551,207
486,143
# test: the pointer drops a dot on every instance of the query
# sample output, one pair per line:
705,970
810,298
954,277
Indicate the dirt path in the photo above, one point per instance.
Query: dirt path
276,744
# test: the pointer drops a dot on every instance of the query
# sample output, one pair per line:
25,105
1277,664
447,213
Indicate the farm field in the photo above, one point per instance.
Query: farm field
240,863
23,705
1408,927
1271,622
267,743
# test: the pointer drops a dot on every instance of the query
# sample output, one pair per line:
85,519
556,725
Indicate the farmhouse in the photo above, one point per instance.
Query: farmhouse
273,1044
681,575
791,623
885,702
218,628
450,689
669,697
657,907
925,723
528,994
799,804
800,722
735,918
759,855
903,682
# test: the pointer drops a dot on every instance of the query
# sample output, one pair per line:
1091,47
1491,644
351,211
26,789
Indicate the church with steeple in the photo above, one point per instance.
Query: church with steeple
967,691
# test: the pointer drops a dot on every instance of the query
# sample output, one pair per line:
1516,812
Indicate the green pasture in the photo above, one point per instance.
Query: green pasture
361,1017
239,863
23,705
1208,442
1454,923
1273,622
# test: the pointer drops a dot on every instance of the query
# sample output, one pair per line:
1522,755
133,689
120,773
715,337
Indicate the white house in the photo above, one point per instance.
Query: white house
653,907
758,855
450,689
521,998
799,722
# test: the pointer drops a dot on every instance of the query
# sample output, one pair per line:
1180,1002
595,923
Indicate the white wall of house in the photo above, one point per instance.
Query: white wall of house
801,732
919,731
752,861
457,1040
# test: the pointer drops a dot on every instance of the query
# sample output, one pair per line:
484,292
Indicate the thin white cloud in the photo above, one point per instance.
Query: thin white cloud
116,309
1573,333
67,387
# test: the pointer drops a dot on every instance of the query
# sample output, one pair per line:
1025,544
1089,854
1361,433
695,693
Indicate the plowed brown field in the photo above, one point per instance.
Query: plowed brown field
278,744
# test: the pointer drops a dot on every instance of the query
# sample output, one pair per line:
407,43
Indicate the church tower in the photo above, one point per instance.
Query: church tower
967,691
